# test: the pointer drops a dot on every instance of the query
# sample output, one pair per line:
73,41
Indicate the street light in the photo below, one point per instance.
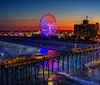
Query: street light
75,45
2,55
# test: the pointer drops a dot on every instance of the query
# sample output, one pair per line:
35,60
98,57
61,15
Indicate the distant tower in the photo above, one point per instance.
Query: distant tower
86,20
86,17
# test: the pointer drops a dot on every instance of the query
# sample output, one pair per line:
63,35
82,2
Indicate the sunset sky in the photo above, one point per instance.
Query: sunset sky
20,14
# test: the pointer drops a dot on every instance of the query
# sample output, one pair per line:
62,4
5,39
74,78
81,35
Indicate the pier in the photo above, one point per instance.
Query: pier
25,70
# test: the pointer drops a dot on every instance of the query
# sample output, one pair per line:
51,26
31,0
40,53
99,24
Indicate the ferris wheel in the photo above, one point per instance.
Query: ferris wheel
48,26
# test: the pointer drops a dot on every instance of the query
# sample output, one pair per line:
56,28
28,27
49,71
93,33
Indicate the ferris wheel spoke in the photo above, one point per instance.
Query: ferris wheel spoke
45,20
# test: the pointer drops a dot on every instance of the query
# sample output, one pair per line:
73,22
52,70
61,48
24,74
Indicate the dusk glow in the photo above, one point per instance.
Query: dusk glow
49,42
26,14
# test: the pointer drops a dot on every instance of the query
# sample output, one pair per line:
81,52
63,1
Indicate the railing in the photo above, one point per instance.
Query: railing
25,60
85,49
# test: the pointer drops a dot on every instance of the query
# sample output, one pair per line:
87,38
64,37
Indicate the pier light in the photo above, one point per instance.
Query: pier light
50,83
75,45
2,55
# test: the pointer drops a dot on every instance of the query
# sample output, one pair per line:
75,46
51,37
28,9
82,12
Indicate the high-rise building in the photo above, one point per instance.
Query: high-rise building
85,29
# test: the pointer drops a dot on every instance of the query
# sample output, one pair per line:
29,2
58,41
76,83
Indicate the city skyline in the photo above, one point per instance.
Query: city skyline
27,13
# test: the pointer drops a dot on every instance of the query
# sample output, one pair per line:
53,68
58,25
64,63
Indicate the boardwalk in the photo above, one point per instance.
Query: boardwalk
26,60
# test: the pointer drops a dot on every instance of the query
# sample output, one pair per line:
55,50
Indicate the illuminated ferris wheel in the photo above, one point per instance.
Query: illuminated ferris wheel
48,26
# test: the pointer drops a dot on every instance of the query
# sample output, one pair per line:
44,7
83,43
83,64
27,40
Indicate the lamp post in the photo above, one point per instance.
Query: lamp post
2,55
75,46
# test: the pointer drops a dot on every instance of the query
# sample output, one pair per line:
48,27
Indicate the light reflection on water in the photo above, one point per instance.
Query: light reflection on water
88,76
92,76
